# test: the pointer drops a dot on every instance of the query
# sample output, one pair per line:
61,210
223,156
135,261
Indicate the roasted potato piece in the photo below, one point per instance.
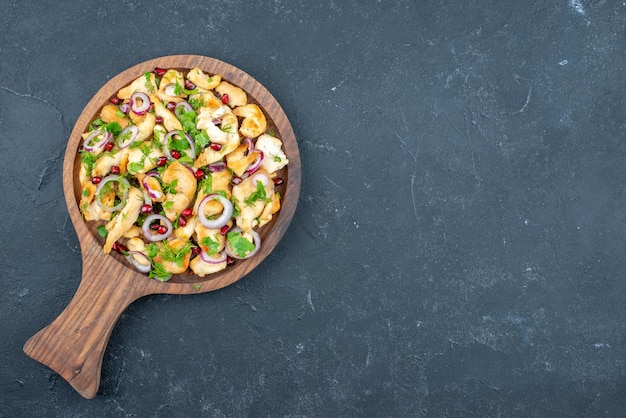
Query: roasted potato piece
254,122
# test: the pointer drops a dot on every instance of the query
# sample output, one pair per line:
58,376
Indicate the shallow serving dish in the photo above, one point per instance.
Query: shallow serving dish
73,344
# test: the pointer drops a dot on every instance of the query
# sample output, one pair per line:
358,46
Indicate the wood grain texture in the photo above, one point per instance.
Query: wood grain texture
73,344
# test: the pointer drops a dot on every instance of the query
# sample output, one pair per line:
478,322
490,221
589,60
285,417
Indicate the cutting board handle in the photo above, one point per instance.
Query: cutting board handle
73,344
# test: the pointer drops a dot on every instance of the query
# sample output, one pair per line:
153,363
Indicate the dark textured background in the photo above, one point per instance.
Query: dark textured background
459,242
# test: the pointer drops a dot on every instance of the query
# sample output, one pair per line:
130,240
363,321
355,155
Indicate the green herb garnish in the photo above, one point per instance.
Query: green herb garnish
259,195
103,231
212,245
239,244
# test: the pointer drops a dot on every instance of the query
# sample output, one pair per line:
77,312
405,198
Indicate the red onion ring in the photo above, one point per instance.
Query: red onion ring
134,131
260,177
250,144
146,198
106,135
140,109
257,244
141,267
182,104
216,121
212,260
125,108
221,220
218,166
257,162
155,194
108,179
148,233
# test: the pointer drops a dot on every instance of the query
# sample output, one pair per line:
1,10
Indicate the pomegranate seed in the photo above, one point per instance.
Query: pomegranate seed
199,174
161,161
155,226
186,213
162,229
278,181
224,229
215,146
121,248
182,221
225,98
146,209
195,250
109,146
170,106
189,85
114,246
159,71
115,170
229,260
96,180
175,154
115,100
159,120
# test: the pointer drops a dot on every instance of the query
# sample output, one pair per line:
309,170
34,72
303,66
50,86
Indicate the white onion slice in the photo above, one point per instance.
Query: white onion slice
211,259
257,244
124,190
144,268
150,234
221,220
136,107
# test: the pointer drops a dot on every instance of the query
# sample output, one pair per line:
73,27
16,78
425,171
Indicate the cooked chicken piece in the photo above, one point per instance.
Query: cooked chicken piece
83,178
111,113
236,96
209,156
185,232
240,159
254,122
248,201
182,184
133,232
202,268
170,121
108,160
211,107
274,157
125,218
145,84
90,209
203,80
172,77
145,124
171,248
143,158
270,209
210,240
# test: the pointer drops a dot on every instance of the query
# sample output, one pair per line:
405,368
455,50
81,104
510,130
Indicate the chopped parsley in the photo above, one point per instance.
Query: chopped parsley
195,103
103,231
277,159
88,159
113,127
227,128
207,184
201,140
174,255
239,244
158,272
170,187
211,244
148,82
259,195
177,88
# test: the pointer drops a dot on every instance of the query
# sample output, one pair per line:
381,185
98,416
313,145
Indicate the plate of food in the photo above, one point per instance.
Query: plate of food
180,176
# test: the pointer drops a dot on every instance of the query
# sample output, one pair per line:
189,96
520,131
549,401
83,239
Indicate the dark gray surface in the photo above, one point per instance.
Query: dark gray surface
458,246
